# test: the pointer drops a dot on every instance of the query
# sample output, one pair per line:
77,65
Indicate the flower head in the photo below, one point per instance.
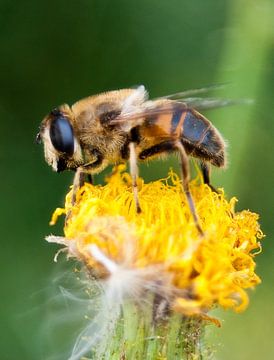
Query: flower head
160,248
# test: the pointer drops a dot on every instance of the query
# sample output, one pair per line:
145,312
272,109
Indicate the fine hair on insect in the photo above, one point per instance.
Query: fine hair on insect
124,125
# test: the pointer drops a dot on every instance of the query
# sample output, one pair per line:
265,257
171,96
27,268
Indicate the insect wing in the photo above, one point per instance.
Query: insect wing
213,103
147,112
192,92
189,98
185,105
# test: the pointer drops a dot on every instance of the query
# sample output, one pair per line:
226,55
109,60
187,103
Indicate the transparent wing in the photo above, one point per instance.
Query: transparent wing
151,108
192,92
212,103
204,103
145,112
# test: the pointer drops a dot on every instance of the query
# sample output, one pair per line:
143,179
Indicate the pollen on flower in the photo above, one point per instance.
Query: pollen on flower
161,246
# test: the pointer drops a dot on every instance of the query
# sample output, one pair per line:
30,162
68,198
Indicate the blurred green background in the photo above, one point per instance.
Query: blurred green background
60,51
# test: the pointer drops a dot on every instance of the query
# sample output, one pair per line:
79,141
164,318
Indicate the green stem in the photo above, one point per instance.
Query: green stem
140,337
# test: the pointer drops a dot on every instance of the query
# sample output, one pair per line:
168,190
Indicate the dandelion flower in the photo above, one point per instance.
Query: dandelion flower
155,266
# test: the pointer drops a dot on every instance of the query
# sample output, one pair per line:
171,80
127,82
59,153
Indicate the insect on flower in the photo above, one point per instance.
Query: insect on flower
125,125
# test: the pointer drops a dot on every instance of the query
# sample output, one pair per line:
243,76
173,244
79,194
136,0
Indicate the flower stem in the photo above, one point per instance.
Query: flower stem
138,336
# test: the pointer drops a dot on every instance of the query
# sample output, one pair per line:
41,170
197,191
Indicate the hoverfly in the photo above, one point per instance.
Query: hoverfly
125,125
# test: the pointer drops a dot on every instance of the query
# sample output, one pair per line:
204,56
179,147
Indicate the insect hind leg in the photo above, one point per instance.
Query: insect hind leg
185,179
205,168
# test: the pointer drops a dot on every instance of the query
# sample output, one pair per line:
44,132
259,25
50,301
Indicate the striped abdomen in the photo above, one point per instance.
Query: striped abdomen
199,137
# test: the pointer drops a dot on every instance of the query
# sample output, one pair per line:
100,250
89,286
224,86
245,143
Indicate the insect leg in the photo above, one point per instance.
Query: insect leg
185,180
82,178
90,179
78,181
206,175
134,174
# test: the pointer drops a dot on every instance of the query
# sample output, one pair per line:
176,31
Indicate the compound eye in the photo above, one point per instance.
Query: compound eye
61,135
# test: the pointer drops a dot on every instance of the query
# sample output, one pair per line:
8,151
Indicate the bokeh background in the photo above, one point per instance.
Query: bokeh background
60,51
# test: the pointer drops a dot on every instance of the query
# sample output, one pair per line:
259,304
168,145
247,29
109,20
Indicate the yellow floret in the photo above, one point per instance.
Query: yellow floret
200,271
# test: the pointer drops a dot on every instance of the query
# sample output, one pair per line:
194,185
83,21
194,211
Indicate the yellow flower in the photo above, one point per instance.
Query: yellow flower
160,249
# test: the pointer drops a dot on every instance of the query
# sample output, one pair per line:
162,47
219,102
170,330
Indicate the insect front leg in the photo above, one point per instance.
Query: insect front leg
78,181
185,180
134,174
